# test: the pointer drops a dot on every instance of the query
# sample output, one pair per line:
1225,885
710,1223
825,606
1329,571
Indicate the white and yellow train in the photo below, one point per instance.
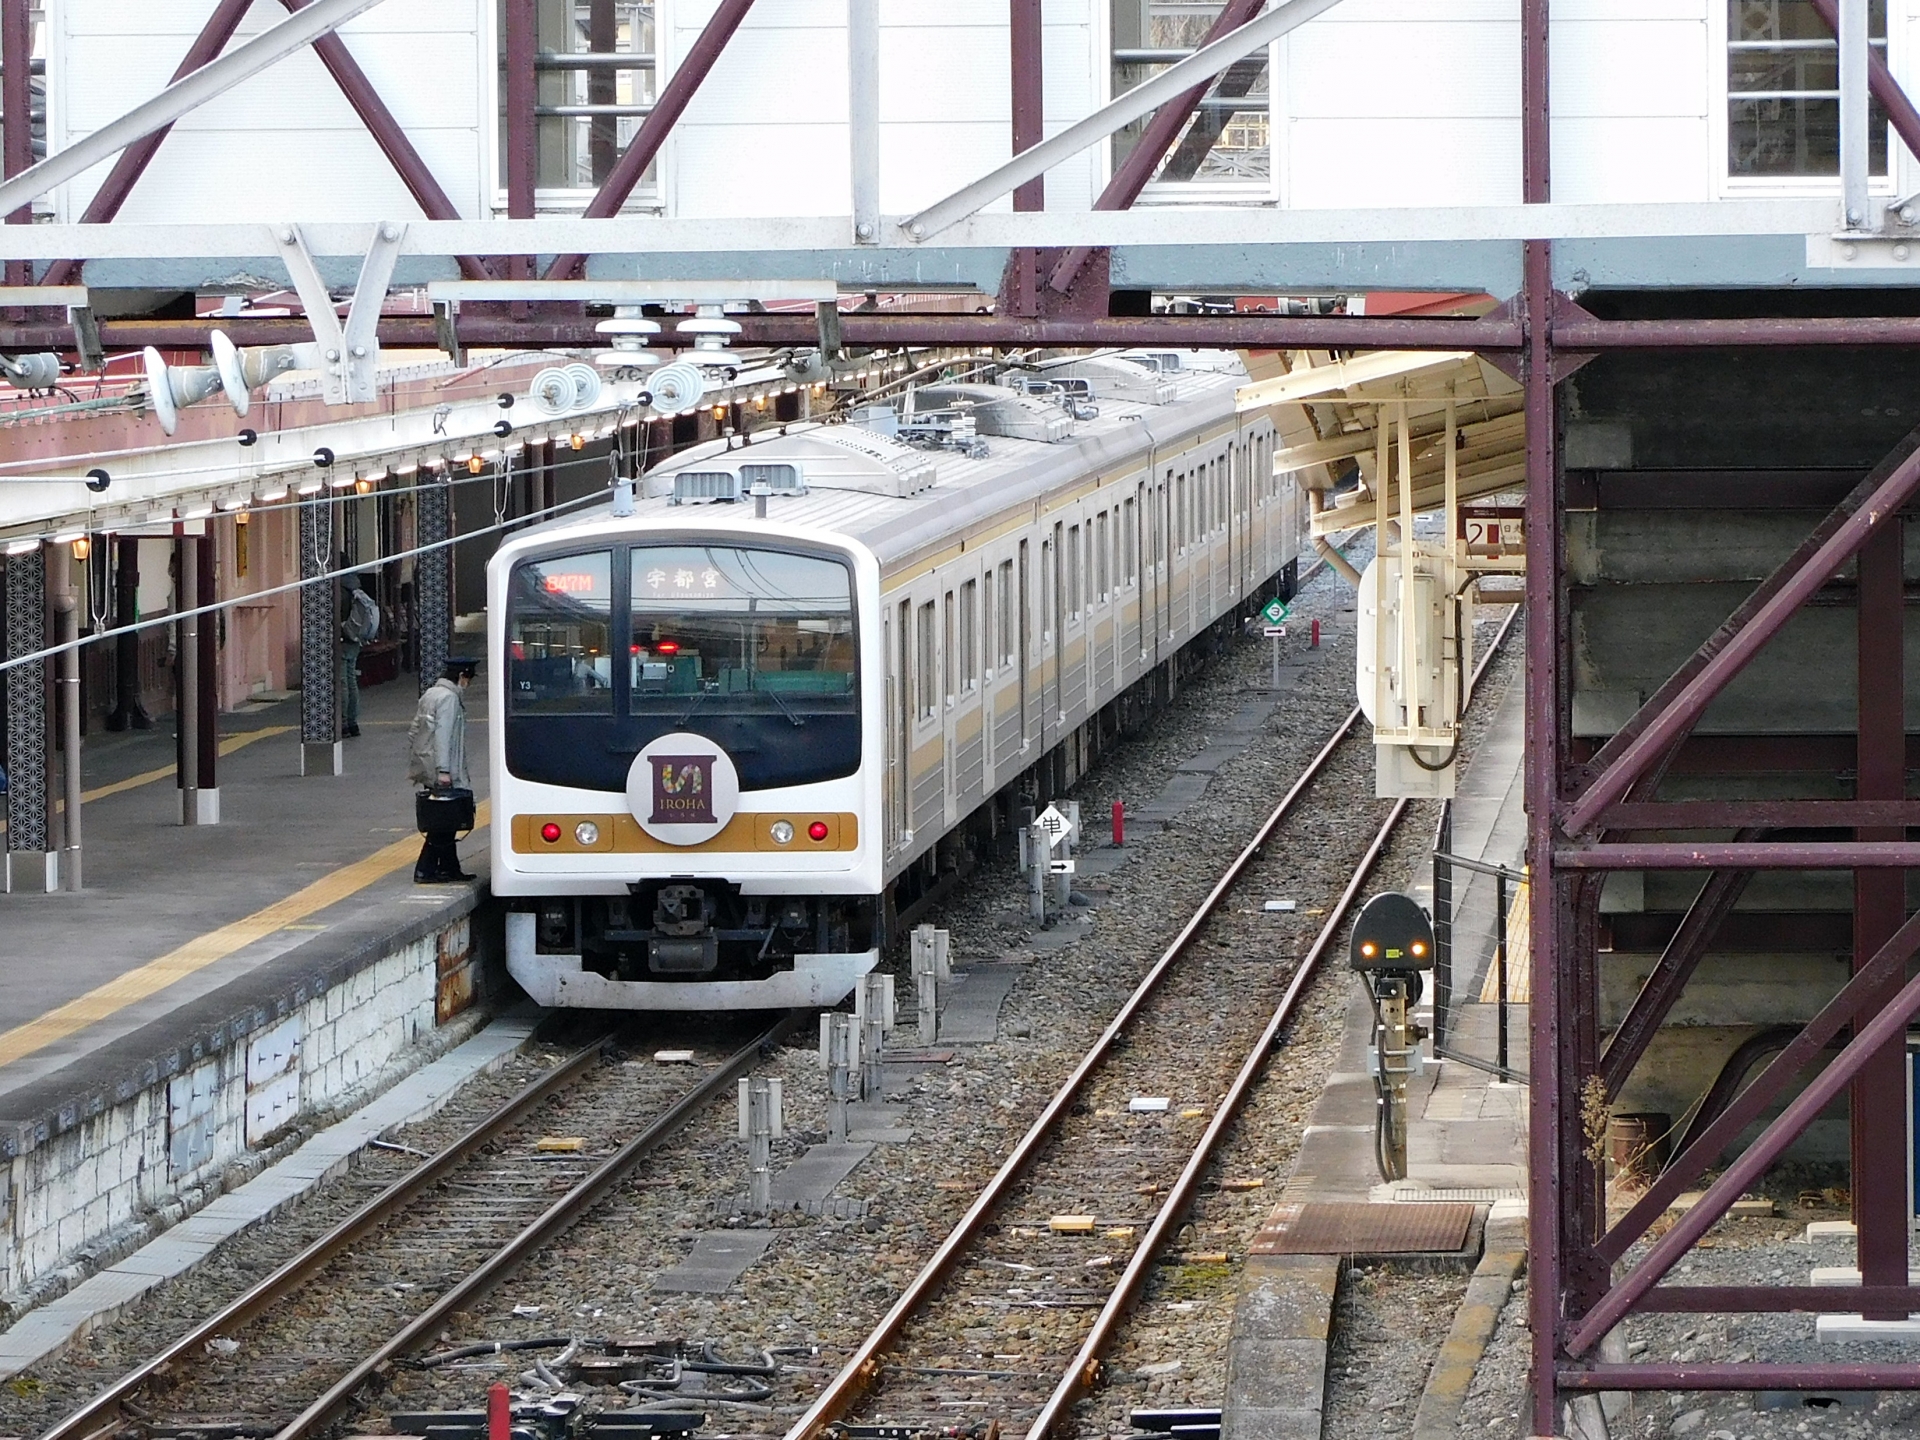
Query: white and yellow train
736,731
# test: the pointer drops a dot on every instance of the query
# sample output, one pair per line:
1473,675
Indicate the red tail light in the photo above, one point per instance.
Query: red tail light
817,830
550,832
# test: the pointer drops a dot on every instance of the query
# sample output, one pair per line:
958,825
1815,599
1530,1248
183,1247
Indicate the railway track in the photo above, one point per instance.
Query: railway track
276,1361
1028,1219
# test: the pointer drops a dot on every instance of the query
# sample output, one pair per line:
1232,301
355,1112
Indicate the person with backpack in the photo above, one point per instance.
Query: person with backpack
437,763
360,625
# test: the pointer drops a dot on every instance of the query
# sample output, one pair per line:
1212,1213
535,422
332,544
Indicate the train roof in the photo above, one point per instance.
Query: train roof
900,498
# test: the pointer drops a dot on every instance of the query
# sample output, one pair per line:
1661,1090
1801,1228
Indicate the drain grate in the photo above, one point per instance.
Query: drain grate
1345,1228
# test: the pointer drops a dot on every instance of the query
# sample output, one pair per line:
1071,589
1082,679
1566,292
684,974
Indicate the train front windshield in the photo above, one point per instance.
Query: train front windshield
753,648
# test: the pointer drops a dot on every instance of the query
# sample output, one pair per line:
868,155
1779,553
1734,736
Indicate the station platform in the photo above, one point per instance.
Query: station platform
1466,1143
168,1029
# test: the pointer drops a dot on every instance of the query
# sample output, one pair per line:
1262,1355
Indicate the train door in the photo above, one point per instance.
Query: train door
1023,630
1057,632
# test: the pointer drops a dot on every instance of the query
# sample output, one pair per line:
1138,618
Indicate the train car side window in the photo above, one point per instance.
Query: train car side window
969,636
1006,612
1102,557
1129,533
949,652
559,628
928,677
1075,602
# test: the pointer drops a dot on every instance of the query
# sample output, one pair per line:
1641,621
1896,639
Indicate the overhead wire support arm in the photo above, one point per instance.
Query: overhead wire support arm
182,97
1198,68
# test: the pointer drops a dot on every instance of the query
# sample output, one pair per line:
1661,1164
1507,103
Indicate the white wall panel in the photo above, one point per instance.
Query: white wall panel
1428,69
811,88
1620,161
1629,67
768,168
1333,163
195,176
938,74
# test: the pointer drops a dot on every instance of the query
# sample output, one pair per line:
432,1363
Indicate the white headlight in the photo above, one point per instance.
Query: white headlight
782,832
587,833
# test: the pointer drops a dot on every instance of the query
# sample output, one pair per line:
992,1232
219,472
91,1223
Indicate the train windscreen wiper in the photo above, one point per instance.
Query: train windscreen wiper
787,710
699,699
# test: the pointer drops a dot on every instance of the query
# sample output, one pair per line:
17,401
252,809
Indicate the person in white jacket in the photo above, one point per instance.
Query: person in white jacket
437,762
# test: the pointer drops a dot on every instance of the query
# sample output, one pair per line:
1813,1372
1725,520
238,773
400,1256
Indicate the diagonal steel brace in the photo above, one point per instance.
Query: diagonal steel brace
1678,961
1888,1025
1889,962
1673,710
350,353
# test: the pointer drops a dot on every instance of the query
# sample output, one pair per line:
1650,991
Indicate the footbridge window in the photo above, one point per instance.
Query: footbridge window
1783,90
1226,145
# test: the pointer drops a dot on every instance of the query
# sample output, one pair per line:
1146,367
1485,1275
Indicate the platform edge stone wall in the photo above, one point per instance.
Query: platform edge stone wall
102,1174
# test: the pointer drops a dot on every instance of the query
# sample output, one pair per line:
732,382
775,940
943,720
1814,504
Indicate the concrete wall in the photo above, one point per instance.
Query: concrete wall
100,1176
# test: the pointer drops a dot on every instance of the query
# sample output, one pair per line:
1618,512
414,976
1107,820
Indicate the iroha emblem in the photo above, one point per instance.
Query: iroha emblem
682,790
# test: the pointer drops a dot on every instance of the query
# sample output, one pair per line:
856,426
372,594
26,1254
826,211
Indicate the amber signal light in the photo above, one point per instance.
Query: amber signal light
817,830
550,833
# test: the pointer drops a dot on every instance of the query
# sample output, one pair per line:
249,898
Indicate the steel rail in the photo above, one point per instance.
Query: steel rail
1084,1372
553,1222
104,1407
864,1367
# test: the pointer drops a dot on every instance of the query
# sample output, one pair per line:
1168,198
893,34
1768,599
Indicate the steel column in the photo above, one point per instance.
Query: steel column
1547,727
186,675
1852,36
1025,37
603,131
207,732
668,106
26,734
320,743
1877,1099
433,576
522,47
16,111
863,117
1548,730
16,94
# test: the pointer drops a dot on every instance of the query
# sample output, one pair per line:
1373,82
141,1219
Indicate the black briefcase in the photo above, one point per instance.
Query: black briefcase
443,811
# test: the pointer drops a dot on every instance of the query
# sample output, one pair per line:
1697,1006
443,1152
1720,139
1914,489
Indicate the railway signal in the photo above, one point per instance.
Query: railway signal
1392,943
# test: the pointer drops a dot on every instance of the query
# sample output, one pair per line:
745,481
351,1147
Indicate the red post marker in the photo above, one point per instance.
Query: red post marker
1119,823
499,1412
1314,644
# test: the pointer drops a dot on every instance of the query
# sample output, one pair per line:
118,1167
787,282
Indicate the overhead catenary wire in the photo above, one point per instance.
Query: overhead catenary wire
254,595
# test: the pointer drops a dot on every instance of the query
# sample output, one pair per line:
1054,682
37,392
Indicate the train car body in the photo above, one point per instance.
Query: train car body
729,730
